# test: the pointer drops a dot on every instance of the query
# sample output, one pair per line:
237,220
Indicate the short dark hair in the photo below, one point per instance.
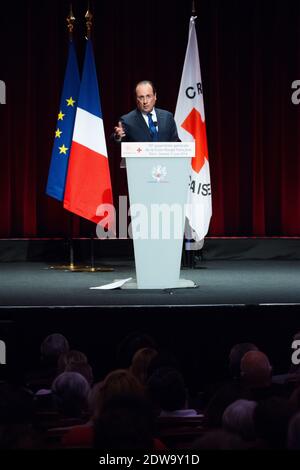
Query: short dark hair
126,422
129,345
166,388
145,82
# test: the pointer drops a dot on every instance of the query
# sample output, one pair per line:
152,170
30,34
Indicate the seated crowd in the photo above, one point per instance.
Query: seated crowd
146,404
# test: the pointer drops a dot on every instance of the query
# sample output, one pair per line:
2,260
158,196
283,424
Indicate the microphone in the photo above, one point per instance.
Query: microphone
155,123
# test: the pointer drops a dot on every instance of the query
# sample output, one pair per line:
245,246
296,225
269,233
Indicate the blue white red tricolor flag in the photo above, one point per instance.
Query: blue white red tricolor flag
88,184
190,120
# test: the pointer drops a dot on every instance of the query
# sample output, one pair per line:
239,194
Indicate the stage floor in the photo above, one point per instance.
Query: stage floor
219,282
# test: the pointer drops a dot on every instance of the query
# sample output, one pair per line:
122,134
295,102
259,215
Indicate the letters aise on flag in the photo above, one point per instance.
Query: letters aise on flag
88,181
190,120
64,128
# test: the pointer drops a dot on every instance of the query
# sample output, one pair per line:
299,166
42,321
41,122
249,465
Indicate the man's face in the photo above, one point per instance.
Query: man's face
145,98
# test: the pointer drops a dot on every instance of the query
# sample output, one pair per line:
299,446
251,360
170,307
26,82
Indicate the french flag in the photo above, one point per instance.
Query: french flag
88,183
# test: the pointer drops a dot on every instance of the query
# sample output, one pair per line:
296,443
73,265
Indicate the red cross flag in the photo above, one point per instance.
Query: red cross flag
190,120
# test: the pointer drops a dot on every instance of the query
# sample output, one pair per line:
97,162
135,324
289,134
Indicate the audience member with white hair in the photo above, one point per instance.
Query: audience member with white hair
40,380
53,346
71,391
238,419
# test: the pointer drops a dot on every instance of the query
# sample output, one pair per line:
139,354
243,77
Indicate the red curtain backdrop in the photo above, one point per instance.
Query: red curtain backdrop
250,55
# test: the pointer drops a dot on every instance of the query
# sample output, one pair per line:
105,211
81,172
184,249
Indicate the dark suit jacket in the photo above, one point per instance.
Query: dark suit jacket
137,130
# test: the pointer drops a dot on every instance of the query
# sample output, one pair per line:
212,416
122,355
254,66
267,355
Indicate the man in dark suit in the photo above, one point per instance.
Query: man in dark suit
146,123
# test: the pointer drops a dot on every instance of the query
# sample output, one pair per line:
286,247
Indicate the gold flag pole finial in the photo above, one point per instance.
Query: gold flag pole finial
70,22
88,17
193,8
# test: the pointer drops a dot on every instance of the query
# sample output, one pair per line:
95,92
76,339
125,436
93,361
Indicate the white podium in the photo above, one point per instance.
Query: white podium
158,178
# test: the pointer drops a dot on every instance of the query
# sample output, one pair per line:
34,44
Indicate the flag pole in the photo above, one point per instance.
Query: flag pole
88,22
190,120
72,267
70,25
188,260
193,8
70,22
91,268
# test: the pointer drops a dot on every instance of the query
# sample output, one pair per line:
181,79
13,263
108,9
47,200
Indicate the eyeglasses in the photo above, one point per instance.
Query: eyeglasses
141,99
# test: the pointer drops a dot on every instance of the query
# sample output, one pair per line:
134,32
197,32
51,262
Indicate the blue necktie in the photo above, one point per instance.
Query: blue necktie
152,128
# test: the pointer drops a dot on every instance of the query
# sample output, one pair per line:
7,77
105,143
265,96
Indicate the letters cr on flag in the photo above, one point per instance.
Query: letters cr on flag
64,128
190,120
88,181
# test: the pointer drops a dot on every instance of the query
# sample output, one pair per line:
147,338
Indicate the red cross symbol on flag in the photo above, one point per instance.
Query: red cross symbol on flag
194,125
